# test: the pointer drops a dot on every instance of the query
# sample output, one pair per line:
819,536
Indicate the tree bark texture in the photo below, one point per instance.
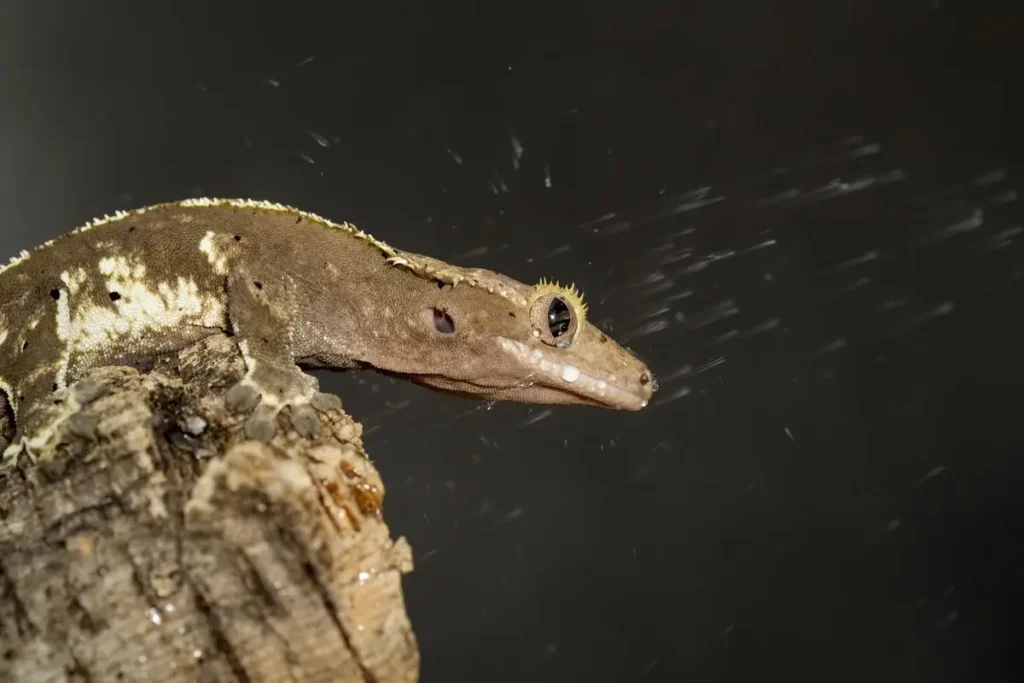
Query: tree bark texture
149,541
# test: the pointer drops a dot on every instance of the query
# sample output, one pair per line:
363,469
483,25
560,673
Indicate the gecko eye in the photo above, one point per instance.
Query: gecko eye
554,321
559,317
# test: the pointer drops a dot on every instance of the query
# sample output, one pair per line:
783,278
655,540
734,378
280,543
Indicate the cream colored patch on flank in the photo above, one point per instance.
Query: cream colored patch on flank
121,268
142,306
73,279
214,255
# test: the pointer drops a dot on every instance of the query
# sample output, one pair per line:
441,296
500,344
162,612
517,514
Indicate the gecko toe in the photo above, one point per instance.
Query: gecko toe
305,420
264,393
325,402
88,390
261,425
241,398
83,425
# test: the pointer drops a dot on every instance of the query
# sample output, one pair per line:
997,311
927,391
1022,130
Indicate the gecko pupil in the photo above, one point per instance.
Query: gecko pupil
559,317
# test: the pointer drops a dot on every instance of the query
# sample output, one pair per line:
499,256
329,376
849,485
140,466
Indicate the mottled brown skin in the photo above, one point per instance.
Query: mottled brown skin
292,288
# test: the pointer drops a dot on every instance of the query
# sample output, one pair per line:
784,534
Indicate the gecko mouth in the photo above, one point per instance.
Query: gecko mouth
571,379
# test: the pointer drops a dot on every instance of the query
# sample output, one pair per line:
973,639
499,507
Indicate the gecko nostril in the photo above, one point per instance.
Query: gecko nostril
645,379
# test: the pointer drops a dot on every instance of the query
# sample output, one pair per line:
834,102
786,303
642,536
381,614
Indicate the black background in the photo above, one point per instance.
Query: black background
829,483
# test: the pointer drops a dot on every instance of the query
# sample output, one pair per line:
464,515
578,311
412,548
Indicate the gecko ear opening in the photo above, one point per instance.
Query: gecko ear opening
442,322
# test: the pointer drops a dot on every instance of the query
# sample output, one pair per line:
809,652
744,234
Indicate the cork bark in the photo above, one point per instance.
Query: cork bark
149,541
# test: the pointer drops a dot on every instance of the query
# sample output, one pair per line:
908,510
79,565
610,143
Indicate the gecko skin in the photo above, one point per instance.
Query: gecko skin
292,289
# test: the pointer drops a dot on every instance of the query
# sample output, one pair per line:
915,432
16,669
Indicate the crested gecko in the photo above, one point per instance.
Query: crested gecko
292,289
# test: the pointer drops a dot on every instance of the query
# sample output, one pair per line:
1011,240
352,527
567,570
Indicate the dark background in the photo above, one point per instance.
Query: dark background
804,216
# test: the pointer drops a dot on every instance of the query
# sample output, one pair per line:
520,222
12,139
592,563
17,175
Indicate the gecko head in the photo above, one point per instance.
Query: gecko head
484,335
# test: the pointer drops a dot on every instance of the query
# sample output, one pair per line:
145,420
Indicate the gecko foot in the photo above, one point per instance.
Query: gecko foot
294,390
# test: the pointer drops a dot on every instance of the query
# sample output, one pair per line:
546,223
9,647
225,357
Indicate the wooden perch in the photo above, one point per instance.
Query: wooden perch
150,542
